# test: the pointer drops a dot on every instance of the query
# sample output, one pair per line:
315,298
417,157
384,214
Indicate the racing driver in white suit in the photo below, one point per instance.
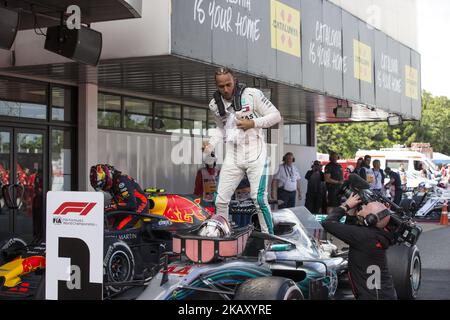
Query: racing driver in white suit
241,114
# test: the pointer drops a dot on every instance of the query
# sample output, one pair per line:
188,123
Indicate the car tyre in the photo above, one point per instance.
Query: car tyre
118,264
268,288
405,266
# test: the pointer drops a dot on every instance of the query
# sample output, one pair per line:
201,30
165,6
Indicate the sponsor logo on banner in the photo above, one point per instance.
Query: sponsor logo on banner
363,61
285,28
411,83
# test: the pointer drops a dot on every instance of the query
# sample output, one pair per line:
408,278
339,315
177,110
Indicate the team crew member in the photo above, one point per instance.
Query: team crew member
368,174
126,194
365,170
240,115
287,182
334,179
378,175
396,183
403,176
205,181
368,243
359,168
314,194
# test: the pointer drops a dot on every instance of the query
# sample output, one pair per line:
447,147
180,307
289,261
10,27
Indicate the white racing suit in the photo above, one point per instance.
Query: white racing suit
246,151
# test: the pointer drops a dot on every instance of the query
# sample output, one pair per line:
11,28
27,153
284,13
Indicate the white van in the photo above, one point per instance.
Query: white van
412,161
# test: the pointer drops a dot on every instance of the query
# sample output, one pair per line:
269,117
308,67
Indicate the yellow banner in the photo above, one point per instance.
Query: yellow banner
363,61
285,28
411,83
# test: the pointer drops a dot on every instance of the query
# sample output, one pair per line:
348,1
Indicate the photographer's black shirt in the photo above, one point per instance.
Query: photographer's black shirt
367,253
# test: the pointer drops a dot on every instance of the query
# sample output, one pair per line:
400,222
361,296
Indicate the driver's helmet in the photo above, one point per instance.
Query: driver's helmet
101,177
216,227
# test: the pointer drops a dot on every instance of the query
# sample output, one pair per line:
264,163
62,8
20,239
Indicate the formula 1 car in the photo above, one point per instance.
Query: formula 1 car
426,204
21,268
292,264
297,263
130,256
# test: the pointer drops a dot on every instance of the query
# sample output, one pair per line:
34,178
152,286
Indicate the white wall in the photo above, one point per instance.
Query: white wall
148,159
397,18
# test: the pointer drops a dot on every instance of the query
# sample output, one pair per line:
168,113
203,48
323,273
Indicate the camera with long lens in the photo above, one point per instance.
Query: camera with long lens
400,224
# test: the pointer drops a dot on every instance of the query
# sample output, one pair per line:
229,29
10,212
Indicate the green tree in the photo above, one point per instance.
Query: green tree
433,128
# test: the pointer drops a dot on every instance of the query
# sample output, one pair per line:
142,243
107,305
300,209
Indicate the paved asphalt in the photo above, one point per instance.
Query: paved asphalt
434,246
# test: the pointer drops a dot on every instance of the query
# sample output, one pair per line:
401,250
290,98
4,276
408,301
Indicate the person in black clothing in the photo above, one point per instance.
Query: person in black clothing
365,166
314,195
126,194
334,179
397,183
367,262
359,168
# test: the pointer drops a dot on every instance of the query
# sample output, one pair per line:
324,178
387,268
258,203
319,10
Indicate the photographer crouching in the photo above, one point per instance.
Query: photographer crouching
364,231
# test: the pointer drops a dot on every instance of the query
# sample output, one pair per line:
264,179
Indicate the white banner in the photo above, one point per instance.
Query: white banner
74,245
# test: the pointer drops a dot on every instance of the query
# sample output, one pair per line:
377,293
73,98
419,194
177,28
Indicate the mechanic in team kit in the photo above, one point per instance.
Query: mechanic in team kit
206,180
286,183
126,194
240,115
364,232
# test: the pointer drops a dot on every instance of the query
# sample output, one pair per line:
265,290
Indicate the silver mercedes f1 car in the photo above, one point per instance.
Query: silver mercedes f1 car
294,264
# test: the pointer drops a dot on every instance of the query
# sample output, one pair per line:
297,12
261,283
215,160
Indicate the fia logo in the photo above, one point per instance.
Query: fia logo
57,220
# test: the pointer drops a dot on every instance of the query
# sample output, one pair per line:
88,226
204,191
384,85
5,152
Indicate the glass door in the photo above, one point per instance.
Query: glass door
29,218
22,173
5,177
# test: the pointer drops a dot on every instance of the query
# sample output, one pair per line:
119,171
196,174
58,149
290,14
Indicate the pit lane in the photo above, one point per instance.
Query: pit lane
433,245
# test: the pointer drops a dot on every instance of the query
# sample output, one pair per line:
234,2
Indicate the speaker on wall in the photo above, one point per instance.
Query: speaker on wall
9,24
83,45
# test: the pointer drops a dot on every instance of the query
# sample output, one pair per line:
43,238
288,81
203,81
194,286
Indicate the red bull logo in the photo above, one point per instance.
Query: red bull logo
182,210
33,263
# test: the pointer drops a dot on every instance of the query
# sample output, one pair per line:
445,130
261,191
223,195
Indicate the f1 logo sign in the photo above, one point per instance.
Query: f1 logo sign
82,208
74,250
